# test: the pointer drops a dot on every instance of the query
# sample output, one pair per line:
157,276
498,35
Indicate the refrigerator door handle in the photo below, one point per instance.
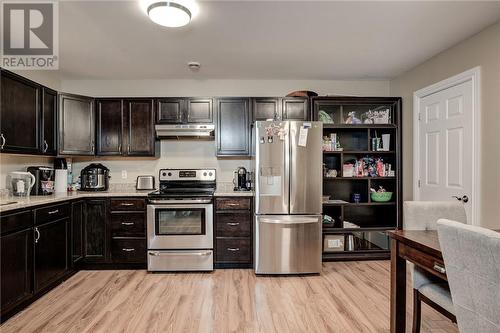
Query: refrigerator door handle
302,220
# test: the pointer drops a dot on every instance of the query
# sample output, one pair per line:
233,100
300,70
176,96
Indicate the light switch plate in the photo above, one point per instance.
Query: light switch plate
124,174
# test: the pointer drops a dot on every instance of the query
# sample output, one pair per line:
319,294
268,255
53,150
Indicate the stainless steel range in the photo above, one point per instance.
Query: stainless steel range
180,221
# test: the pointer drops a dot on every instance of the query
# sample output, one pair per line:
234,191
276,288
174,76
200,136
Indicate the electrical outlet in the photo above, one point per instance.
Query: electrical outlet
124,174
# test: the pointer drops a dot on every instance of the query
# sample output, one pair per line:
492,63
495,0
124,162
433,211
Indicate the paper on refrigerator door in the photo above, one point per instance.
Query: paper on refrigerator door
303,136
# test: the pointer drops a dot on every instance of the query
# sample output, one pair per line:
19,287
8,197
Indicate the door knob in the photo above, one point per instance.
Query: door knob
465,198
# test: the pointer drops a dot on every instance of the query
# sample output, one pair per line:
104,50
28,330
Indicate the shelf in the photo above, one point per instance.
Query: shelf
362,126
358,152
390,203
333,230
356,178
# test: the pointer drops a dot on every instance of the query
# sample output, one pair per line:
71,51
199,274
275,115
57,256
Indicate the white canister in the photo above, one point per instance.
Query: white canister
386,142
61,181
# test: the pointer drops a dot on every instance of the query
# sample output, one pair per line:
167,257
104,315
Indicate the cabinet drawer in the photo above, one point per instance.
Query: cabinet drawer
233,224
233,250
128,250
232,203
15,221
130,224
127,204
52,213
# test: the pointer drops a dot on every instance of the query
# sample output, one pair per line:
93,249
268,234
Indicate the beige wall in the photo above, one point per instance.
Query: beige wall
482,50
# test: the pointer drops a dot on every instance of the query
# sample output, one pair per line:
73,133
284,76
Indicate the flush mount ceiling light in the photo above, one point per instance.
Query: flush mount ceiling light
172,14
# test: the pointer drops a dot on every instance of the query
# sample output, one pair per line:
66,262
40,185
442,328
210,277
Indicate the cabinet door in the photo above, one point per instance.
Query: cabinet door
77,218
95,231
266,108
109,127
76,125
16,268
19,114
51,252
233,127
140,127
199,110
48,141
170,110
295,108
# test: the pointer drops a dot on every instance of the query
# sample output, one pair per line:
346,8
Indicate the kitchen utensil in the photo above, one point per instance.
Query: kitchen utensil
22,182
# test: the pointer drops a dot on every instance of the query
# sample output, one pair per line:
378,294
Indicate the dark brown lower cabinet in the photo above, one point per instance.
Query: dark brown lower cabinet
51,252
128,250
16,269
95,230
77,221
233,232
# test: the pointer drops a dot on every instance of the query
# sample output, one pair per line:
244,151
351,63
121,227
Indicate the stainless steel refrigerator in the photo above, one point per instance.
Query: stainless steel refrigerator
288,192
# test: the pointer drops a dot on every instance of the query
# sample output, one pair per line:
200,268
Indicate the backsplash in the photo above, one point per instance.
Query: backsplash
9,163
174,154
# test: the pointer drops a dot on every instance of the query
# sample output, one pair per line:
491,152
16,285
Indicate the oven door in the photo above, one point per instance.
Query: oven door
173,226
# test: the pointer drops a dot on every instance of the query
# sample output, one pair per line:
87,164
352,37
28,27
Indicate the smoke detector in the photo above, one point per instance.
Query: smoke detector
194,66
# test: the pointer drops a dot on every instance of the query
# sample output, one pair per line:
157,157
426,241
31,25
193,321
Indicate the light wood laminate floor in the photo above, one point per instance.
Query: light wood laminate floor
347,297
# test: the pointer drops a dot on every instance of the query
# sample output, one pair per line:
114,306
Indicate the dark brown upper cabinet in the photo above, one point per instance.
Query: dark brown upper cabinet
109,127
184,110
19,114
76,125
125,127
295,108
140,131
233,135
266,108
48,140
287,108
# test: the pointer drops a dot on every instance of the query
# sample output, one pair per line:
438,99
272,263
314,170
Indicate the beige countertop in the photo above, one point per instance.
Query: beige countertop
227,190
25,202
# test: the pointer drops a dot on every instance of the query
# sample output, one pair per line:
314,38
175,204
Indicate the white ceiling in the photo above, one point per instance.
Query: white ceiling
264,39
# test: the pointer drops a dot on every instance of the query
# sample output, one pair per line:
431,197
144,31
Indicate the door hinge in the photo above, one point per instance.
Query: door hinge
419,183
420,116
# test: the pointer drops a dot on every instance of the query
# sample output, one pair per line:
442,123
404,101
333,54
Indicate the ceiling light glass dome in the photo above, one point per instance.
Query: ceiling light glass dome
172,14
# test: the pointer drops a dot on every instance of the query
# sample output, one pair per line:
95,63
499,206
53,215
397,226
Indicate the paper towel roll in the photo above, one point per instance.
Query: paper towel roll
61,181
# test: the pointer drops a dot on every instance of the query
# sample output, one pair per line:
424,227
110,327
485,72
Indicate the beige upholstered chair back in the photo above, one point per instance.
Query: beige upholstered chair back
472,260
423,215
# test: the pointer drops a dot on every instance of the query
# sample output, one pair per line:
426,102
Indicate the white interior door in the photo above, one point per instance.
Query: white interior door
445,167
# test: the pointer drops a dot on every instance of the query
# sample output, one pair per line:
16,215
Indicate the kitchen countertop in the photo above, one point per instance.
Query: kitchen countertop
26,202
227,190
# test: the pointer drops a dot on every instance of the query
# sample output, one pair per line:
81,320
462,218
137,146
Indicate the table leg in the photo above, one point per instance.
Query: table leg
398,290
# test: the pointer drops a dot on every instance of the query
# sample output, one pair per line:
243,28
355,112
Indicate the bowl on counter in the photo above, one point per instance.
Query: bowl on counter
326,198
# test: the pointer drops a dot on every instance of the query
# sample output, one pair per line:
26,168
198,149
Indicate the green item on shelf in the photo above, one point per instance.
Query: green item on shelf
381,196
325,117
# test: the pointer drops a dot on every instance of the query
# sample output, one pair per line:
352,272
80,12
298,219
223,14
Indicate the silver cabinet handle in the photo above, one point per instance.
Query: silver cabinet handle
128,149
233,224
439,268
53,211
233,249
45,146
3,141
92,148
126,204
127,223
37,235
128,250
120,147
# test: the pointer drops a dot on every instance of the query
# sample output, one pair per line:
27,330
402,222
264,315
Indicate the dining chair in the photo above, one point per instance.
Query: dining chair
423,215
472,260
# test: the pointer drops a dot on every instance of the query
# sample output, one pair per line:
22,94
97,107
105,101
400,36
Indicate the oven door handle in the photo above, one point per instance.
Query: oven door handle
159,254
180,202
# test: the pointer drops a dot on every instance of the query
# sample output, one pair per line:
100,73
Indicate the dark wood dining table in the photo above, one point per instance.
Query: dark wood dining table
420,247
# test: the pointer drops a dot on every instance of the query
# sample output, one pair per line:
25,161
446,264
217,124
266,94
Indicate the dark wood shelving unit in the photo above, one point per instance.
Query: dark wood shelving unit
359,229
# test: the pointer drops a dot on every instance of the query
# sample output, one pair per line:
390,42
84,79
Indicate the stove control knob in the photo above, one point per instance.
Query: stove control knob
170,174
205,174
164,174
210,174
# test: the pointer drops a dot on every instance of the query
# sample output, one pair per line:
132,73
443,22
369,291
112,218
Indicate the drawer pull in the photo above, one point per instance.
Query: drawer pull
54,211
233,249
126,204
234,224
439,268
127,223
128,249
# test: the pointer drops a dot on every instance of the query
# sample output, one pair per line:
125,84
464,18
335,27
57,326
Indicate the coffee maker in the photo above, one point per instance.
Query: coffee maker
242,180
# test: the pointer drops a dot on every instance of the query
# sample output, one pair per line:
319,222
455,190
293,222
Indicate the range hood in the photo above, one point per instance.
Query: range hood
188,131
